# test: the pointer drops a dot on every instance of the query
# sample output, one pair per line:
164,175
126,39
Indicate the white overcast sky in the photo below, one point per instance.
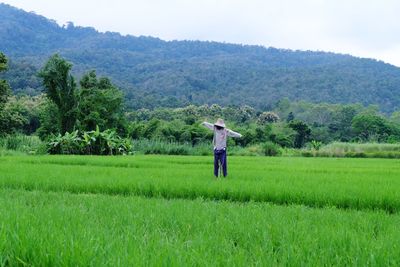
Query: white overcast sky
364,28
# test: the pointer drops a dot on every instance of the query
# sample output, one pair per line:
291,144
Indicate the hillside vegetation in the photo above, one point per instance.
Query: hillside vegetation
153,72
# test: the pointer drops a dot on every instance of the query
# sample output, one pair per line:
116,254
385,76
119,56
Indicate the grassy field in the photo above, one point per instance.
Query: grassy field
170,211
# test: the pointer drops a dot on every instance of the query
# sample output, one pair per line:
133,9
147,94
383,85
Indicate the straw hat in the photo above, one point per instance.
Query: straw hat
220,122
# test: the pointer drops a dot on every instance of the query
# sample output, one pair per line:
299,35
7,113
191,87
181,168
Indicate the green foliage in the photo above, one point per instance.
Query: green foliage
3,62
173,131
22,77
23,113
332,123
18,117
69,143
395,117
161,147
271,149
341,124
97,103
90,143
60,88
22,143
100,104
267,117
316,145
49,118
4,94
290,117
302,132
156,73
176,125
356,150
4,87
372,127
154,146
179,74
283,135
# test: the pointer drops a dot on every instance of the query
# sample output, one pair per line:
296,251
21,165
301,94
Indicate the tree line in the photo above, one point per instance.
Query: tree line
95,104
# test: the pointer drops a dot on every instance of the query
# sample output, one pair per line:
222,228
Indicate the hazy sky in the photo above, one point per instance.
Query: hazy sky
365,28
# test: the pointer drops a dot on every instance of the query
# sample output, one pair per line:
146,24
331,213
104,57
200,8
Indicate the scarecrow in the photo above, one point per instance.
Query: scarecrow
219,141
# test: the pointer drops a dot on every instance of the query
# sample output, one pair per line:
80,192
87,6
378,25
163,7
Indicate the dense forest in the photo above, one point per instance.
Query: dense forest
87,115
154,73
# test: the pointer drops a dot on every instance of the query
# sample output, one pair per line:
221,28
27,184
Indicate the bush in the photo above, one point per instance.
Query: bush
307,153
384,154
202,149
272,149
360,147
22,143
316,144
352,154
267,117
90,143
69,143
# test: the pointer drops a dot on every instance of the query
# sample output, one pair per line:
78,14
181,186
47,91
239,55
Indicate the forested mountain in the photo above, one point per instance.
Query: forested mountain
153,72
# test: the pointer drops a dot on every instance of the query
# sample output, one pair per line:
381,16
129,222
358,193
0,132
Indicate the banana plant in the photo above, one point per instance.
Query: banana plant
70,143
88,139
316,144
95,142
54,144
111,138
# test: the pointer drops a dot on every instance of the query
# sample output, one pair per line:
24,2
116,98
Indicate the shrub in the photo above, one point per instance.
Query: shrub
253,150
267,117
307,153
202,149
90,143
22,143
69,143
384,154
271,149
316,144
352,154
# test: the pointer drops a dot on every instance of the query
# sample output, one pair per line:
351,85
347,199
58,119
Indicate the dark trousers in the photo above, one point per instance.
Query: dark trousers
220,158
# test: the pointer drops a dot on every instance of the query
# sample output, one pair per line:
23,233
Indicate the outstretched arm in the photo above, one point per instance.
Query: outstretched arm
208,125
233,134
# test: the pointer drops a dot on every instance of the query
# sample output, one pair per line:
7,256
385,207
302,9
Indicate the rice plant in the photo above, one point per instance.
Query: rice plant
316,182
63,229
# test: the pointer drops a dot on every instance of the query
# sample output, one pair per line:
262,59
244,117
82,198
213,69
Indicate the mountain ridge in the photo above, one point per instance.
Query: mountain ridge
153,72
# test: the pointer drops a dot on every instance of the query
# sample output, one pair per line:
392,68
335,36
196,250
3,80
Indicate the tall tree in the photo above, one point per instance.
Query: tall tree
290,117
4,87
340,127
60,88
371,127
267,117
303,132
4,93
100,103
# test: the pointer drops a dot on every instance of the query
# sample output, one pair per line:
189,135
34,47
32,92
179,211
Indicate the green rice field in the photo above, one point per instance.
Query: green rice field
171,211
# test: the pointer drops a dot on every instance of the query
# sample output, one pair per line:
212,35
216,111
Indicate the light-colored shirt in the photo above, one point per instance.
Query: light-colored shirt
220,136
